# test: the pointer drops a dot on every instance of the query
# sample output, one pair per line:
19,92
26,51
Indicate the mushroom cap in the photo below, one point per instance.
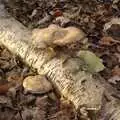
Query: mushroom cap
68,35
55,35
37,84
44,37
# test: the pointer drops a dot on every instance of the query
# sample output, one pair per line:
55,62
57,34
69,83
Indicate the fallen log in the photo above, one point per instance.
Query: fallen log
82,89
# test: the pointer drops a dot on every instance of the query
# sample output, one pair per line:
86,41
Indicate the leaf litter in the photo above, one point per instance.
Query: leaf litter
90,16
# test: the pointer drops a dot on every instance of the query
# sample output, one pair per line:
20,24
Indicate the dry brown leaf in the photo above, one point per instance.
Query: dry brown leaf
114,80
4,88
15,77
118,56
108,41
113,21
116,71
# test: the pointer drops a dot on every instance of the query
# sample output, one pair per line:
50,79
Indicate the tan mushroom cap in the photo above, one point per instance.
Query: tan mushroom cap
44,37
70,35
55,35
37,84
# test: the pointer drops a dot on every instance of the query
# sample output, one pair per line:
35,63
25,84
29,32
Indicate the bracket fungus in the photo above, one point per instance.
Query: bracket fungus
37,84
56,35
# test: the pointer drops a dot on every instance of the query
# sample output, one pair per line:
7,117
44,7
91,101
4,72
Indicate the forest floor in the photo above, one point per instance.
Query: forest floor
88,15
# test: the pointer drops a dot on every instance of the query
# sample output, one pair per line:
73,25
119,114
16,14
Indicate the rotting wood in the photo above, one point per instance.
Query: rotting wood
81,89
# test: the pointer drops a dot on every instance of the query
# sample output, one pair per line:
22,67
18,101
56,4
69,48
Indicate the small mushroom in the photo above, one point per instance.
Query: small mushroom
37,84
55,35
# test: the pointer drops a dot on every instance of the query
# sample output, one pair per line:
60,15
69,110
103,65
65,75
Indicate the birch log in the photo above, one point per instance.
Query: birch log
81,89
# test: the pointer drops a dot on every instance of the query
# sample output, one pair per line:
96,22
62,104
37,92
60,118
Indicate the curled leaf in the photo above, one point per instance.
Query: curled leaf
108,41
94,63
109,24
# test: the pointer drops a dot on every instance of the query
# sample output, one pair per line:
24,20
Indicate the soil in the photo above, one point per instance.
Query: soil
88,15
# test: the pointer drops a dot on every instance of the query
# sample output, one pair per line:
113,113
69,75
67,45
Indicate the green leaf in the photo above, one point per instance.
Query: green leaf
93,62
